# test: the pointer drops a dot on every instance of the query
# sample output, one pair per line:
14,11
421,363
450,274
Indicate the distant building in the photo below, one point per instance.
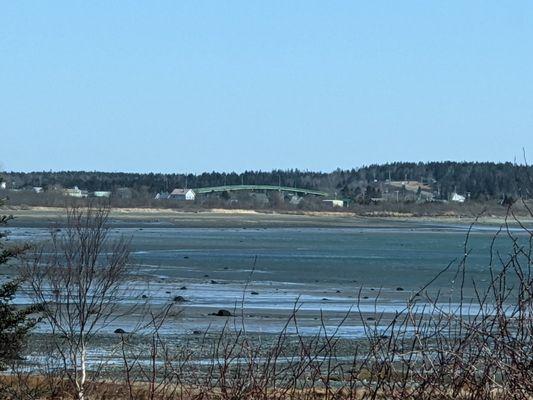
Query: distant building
182,194
75,192
458,198
334,202
161,196
101,193
37,189
3,185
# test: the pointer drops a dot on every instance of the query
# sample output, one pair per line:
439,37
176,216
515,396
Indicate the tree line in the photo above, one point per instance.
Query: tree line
478,180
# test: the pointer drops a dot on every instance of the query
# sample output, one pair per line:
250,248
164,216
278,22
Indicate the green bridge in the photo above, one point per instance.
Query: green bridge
230,188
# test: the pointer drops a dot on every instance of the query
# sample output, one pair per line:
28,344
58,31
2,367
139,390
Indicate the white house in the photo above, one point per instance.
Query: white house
182,194
334,202
458,198
75,192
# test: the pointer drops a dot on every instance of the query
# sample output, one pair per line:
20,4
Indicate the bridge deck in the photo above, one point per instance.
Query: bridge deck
230,188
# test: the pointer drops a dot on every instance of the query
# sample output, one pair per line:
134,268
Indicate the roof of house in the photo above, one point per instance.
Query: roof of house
177,192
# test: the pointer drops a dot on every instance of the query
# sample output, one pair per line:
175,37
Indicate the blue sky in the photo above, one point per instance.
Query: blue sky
178,86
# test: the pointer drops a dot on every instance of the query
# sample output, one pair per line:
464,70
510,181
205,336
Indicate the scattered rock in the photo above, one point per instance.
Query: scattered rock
183,288
196,332
325,299
167,292
254,293
206,276
365,297
180,299
185,257
213,282
399,289
222,313
370,319
338,291
120,331
144,296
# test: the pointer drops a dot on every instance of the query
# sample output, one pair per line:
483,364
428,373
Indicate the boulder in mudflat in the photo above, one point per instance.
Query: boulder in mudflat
222,313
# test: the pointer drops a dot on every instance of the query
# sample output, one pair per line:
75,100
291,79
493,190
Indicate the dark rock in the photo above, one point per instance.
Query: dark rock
183,288
213,282
180,299
222,313
144,296
338,291
365,297
167,292
370,319
399,289
120,331
254,293
325,299
206,276
196,332
185,257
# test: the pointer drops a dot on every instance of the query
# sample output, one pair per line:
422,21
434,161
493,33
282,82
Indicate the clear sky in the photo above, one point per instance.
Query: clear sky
191,86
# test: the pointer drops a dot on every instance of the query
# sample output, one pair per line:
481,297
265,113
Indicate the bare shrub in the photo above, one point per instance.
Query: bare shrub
78,280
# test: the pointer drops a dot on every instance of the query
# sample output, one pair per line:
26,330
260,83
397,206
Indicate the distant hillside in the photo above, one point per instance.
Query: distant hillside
480,181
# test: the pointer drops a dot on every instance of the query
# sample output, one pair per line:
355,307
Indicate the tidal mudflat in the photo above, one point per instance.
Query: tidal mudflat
261,274
260,268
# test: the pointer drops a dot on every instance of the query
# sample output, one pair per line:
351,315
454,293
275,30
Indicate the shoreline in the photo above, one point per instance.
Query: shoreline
240,218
